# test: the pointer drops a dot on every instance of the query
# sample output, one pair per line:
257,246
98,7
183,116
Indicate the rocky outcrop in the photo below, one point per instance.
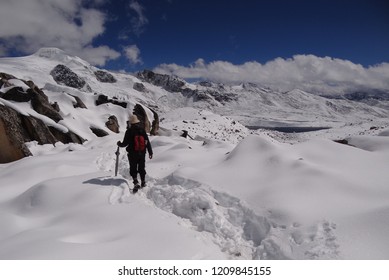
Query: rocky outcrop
139,87
140,112
78,102
12,136
169,83
103,99
17,94
16,128
104,77
64,76
66,138
99,132
222,97
151,128
31,93
113,124
155,124
40,103
210,92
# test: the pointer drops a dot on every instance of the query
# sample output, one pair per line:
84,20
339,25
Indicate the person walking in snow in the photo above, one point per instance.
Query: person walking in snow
136,141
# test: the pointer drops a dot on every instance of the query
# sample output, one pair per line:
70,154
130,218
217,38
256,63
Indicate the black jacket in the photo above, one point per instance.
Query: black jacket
129,137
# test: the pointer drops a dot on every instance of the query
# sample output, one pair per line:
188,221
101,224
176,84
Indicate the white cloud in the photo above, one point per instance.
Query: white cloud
27,25
140,20
132,53
306,72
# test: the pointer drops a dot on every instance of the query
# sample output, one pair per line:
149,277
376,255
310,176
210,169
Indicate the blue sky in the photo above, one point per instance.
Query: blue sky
195,38
240,31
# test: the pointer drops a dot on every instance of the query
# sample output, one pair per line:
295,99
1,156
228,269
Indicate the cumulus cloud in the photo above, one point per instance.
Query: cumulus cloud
306,72
140,20
132,53
27,25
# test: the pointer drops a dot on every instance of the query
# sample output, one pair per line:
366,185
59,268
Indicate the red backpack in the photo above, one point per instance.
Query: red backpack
139,143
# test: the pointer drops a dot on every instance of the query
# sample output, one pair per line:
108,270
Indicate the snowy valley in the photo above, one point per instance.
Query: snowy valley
235,188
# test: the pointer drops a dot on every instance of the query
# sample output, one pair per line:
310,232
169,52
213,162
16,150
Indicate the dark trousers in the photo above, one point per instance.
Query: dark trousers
137,165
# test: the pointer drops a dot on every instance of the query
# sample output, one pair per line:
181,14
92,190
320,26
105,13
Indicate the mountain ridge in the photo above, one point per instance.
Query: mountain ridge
72,86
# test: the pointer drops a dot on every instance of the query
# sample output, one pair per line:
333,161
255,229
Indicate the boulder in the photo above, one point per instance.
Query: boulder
139,87
104,77
17,129
12,136
17,94
41,105
64,76
140,112
99,132
37,131
113,124
66,137
55,106
155,124
78,102
103,99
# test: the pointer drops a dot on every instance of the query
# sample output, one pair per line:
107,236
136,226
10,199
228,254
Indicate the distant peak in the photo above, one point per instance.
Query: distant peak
50,52
60,56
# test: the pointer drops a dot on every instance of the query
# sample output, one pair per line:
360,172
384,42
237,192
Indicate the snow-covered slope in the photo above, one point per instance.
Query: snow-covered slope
225,192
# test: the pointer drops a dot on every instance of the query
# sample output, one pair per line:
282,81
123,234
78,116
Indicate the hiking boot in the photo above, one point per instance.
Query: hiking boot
135,189
143,184
135,181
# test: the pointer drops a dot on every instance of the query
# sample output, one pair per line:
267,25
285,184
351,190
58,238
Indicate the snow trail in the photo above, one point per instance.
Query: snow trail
239,231
234,227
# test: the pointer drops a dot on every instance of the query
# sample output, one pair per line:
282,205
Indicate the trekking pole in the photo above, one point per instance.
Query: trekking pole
117,153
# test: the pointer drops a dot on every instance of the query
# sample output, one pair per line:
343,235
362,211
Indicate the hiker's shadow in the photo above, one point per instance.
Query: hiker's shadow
107,181
119,193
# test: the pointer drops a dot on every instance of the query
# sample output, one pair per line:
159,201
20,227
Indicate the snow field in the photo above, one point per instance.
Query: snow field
232,225
228,193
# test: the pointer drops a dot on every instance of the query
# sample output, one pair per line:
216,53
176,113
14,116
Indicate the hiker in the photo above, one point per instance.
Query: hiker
136,141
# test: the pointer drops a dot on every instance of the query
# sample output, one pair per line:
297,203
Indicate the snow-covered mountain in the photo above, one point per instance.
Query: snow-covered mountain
225,192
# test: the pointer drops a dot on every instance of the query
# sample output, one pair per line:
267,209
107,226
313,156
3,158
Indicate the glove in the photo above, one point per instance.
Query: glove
151,156
119,143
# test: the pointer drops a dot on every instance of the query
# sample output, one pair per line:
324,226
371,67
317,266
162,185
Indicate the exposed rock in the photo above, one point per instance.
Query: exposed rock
169,83
16,129
103,99
113,124
12,136
40,104
222,97
17,94
151,128
39,101
99,132
104,77
190,93
205,84
64,76
5,77
342,141
140,112
139,87
155,123
55,106
37,130
66,138
78,102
